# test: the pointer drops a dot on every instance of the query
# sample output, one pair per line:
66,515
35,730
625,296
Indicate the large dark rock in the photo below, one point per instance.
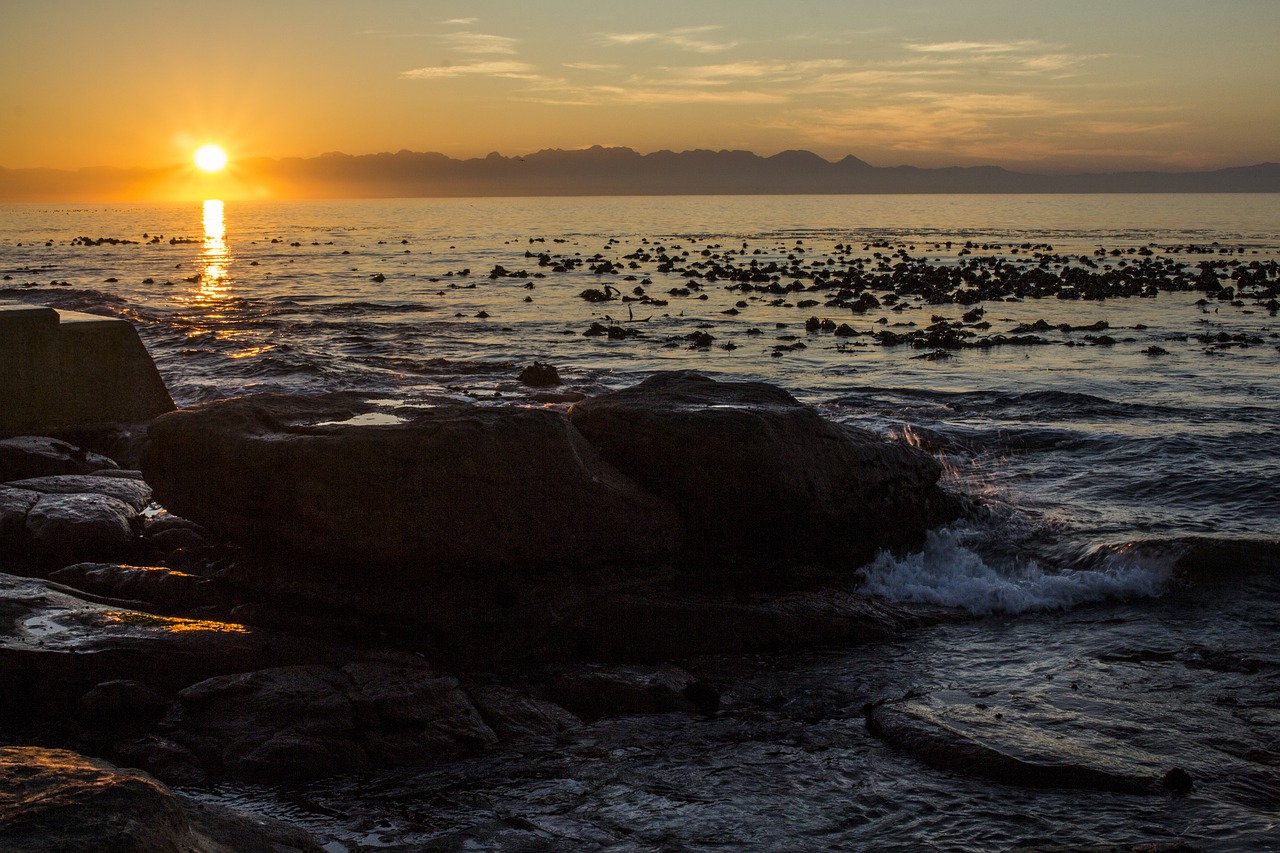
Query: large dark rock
52,801
751,470
452,487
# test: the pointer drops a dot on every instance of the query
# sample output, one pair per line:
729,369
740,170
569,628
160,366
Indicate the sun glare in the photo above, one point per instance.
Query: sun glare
210,158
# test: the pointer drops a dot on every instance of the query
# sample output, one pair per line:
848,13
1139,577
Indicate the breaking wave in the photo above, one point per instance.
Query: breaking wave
948,573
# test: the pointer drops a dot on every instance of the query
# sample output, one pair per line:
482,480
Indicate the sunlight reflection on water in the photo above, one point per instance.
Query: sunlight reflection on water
214,263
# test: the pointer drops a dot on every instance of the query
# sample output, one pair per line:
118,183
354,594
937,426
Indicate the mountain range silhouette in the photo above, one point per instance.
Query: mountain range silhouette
616,171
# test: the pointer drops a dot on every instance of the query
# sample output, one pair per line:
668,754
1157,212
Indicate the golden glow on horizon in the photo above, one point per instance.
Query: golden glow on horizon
210,158
920,83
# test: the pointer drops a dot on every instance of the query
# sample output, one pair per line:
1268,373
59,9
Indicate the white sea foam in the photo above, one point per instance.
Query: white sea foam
948,573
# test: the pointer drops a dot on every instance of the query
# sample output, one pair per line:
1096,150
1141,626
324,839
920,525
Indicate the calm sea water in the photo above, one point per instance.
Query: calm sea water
1096,452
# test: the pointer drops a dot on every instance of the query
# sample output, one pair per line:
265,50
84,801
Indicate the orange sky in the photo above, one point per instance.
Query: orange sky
1034,86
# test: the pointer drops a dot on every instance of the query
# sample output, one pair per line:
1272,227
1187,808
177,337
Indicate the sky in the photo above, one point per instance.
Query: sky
1064,85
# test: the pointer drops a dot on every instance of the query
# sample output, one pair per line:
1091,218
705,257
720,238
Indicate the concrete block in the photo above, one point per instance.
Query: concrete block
64,370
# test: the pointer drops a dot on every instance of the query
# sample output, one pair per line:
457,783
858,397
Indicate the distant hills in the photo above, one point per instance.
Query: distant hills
607,171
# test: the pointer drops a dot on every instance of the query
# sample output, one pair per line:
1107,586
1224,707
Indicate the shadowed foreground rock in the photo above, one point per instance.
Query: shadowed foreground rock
302,722
752,470
53,801
453,487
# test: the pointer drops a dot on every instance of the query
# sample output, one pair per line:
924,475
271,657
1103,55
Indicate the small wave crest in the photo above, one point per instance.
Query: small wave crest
946,572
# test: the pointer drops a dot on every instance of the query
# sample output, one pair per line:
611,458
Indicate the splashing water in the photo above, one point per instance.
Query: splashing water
948,573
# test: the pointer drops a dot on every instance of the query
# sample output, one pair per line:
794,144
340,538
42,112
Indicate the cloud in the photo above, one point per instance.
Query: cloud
465,22
666,97
685,38
497,68
757,70
591,66
1025,56
975,47
646,95
481,43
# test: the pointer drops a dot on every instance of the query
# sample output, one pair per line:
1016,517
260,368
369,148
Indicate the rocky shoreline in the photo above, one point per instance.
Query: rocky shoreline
350,586
344,591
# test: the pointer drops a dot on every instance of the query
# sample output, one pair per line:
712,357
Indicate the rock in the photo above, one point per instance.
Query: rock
302,722
164,521
75,517
1010,743
517,716
623,616
168,761
599,691
174,540
448,488
167,535
280,723
69,528
134,492
753,471
400,694
53,800
54,646
39,456
540,375
658,624
15,543
168,589
14,506
230,831
122,705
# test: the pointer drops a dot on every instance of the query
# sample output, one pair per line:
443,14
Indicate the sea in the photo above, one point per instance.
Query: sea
1100,374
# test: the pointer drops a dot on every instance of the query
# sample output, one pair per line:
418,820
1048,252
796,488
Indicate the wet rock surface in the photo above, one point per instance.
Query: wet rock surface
1019,741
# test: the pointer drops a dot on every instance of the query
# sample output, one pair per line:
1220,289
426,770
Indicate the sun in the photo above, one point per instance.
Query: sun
210,158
